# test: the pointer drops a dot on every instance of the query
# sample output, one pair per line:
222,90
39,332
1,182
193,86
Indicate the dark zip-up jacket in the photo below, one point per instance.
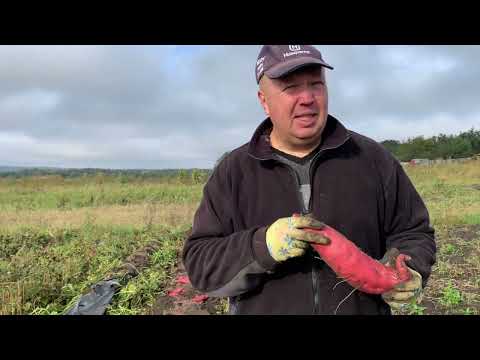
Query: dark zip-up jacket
357,187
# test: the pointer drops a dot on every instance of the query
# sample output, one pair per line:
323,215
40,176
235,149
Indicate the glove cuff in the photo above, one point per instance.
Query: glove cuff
260,250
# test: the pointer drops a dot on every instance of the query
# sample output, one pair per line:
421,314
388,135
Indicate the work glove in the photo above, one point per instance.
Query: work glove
286,239
405,293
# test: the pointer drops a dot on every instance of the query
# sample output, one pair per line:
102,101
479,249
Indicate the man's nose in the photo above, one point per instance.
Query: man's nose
306,96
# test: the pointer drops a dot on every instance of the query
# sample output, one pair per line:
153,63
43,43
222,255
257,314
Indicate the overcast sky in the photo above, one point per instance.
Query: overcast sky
159,107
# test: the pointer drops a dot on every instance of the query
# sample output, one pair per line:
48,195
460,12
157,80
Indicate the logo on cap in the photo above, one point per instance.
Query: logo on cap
260,65
294,47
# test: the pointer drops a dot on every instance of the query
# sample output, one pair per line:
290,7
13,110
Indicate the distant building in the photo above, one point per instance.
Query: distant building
420,162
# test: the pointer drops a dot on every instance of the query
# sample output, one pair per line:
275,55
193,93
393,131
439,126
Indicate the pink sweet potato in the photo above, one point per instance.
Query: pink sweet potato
357,268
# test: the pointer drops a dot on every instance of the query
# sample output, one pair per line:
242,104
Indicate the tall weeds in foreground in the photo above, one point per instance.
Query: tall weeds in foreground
49,272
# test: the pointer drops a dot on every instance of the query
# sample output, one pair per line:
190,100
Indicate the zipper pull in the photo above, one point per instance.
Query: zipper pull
316,256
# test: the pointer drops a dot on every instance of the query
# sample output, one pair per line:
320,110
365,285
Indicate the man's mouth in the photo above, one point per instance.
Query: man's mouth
306,115
306,119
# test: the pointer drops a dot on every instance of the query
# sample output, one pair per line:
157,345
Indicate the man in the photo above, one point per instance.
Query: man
245,244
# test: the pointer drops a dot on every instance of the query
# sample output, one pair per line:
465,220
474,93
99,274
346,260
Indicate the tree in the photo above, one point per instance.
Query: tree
474,138
391,145
460,147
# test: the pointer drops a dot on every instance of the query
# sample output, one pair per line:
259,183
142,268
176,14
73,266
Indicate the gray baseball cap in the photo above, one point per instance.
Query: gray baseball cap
279,60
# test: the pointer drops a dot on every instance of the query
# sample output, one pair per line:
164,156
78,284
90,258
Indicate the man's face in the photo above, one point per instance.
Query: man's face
297,105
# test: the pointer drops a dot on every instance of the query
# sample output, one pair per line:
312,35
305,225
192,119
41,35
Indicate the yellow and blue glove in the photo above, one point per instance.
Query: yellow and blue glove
286,239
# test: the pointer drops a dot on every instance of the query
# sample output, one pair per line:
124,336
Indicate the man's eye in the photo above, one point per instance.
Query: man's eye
291,86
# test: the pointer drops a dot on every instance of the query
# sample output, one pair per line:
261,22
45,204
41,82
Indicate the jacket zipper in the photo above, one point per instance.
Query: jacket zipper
299,196
315,270
304,212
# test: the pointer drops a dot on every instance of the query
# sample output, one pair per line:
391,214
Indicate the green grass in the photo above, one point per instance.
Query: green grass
48,276
415,309
447,192
469,311
72,197
45,269
451,296
471,219
450,249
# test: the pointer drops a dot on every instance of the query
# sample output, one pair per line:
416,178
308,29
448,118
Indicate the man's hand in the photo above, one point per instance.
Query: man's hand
286,239
404,293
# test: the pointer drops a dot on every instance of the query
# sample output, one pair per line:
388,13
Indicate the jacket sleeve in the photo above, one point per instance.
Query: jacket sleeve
407,223
220,261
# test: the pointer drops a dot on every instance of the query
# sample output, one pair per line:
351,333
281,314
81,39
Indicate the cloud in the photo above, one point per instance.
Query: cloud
183,106
416,86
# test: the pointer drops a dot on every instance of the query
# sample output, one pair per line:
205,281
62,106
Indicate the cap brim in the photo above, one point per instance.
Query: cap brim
286,68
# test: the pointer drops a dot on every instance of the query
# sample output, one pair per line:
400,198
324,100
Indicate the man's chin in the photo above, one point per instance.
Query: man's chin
308,140
308,135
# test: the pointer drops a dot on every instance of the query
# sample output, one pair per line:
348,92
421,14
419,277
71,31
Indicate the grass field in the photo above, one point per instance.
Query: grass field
452,195
58,237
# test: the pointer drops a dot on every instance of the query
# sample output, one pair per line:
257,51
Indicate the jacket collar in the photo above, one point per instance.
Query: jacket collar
334,135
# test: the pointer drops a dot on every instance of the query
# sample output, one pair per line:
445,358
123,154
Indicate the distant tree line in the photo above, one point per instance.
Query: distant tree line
466,144
186,176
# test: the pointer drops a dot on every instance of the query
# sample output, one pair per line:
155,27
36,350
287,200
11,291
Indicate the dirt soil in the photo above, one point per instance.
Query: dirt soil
182,299
460,267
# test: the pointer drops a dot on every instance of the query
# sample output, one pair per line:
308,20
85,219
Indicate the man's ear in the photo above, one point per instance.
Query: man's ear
263,102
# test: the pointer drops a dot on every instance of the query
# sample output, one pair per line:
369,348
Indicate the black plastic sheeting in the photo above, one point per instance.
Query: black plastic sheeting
97,300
